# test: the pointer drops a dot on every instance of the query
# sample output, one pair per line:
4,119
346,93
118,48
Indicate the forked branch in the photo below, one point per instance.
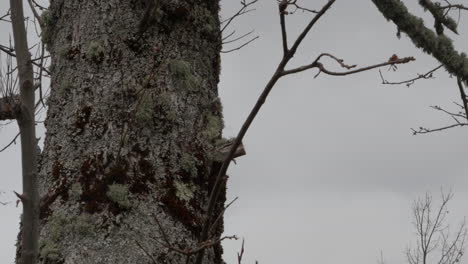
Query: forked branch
288,54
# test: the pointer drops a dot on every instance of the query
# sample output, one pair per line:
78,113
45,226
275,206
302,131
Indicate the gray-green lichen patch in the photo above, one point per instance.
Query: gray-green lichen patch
188,163
75,191
118,193
61,225
214,126
206,21
184,191
49,251
65,88
83,225
155,106
48,24
144,113
95,51
183,76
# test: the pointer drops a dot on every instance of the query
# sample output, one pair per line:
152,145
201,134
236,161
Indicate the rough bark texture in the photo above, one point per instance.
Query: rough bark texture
134,117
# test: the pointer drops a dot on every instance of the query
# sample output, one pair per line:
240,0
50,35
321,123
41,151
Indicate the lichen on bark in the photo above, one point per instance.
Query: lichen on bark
130,126
439,46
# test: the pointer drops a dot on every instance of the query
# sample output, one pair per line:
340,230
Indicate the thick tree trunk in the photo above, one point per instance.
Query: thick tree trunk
133,121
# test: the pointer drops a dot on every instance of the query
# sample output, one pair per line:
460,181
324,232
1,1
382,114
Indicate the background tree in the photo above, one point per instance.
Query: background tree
434,242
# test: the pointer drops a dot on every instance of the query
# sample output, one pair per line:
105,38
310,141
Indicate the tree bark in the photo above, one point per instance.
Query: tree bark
133,123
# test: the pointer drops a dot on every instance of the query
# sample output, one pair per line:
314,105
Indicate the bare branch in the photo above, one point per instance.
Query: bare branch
6,15
243,10
456,6
241,253
433,233
36,15
225,41
241,46
463,96
409,82
284,36
319,65
10,52
220,216
215,191
423,130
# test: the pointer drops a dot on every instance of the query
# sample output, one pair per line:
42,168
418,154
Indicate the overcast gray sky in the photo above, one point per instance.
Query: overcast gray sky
332,167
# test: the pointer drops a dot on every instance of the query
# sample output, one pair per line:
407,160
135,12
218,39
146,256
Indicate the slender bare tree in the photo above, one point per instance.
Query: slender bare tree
434,243
24,110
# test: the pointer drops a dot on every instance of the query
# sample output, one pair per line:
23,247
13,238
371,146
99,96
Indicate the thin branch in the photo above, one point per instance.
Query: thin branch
438,108
319,65
241,253
236,39
39,6
282,7
298,7
457,6
409,82
463,96
10,52
241,46
40,74
220,216
243,10
423,130
13,141
228,36
36,15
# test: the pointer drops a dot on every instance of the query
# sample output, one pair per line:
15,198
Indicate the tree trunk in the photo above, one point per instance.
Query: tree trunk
133,123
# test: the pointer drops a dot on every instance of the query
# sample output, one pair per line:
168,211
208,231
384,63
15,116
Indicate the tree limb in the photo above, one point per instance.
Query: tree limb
439,46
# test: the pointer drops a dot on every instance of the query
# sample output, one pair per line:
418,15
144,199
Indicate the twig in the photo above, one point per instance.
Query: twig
241,46
282,7
423,130
241,253
409,82
36,15
457,6
11,142
10,52
236,39
243,10
463,96
39,6
221,215
436,107
40,74
319,65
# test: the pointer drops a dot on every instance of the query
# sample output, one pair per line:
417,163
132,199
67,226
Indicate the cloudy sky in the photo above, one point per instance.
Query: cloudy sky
332,167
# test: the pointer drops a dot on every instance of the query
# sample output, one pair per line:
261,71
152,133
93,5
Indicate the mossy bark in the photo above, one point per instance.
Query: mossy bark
439,46
132,123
